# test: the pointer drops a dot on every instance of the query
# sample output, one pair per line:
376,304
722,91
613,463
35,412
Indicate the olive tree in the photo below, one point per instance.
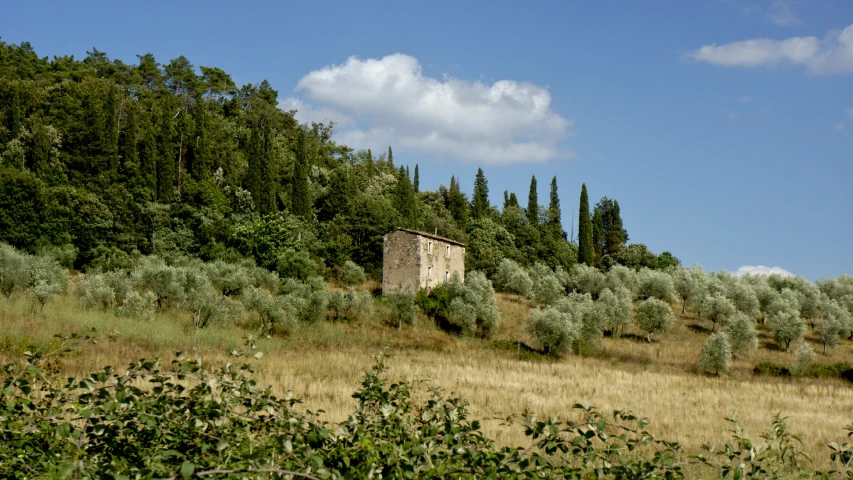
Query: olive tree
47,279
740,329
787,327
352,274
137,306
586,279
590,326
743,297
805,355
620,276
95,291
656,284
716,353
402,308
228,278
551,330
547,290
350,305
164,281
654,315
275,313
717,308
204,302
834,325
511,278
614,310
14,270
691,285
479,293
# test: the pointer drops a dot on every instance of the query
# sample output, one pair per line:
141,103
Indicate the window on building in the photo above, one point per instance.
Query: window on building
429,273
447,275
447,250
429,248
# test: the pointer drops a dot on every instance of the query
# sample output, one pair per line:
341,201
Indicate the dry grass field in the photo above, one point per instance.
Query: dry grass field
324,363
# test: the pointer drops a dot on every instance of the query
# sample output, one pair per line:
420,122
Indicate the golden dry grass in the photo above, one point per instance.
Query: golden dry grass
324,364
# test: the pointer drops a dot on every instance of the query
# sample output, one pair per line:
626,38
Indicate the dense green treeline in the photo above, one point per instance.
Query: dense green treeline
121,160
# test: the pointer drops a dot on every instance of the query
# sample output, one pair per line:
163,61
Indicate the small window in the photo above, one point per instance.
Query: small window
429,273
447,250
429,248
447,275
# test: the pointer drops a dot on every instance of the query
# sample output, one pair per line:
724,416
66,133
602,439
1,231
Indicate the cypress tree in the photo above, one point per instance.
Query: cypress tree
585,251
555,223
369,155
390,156
41,150
456,204
480,202
616,235
200,162
417,182
513,200
109,136
506,199
15,121
598,233
533,203
404,197
165,159
301,196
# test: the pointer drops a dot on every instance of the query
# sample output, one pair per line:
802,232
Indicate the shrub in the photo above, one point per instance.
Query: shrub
740,330
47,279
297,264
352,274
770,369
228,278
553,331
134,305
275,313
654,315
14,270
349,306
805,356
716,353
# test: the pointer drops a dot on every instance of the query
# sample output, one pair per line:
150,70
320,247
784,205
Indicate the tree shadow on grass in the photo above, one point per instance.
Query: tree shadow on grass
695,327
523,350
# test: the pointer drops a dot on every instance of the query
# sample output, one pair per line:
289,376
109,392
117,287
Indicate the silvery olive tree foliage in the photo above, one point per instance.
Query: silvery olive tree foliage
512,278
653,316
552,330
614,309
656,284
835,324
744,298
47,279
716,353
587,279
740,330
691,284
717,308
352,274
804,357
620,276
95,291
787,327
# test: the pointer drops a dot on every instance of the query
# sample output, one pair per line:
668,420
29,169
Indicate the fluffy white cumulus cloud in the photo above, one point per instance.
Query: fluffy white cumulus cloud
762,270
393,102
831,55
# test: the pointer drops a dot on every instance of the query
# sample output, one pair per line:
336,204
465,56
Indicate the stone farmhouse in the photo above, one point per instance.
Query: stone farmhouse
413,260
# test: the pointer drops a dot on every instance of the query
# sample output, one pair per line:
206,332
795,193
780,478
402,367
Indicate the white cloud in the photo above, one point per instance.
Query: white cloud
307,113
839,126
831,55
762,270
502,122
781,13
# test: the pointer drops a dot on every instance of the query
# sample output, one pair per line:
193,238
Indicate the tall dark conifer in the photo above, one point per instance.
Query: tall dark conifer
404,198
598,233
480,202
513,200
417,181
128,149
166,158
109,136
200,166
457,205
585,247
555,223
301,196
390,156
533,203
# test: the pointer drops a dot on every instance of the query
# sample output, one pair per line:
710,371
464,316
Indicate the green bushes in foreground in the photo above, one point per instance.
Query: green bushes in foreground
190,421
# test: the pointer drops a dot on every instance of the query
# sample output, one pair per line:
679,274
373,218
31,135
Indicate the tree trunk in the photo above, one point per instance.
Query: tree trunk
684,306
649,337
787,346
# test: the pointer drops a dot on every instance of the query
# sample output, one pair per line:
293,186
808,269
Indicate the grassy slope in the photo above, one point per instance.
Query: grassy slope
323,363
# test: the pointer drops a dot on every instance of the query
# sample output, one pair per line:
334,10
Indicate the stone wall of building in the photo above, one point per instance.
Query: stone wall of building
401,261
415,260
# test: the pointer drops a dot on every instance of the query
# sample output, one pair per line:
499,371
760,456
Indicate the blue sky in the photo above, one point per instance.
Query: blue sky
724,128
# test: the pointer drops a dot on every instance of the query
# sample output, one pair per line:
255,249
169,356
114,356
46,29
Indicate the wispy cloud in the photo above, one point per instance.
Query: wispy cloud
781,12
831,55
839,126
392,102
762,270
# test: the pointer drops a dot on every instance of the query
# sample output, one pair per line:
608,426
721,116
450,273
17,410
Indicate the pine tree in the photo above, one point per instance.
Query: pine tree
301,196
149,158
585,247
506,198
390,156
598,233
533,203
480,202
555,224
417,181
129,150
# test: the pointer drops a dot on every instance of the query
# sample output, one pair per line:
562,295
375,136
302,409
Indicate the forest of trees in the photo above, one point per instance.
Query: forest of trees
120,160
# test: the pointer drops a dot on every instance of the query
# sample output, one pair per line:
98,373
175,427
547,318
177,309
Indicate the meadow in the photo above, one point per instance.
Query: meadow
324,363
